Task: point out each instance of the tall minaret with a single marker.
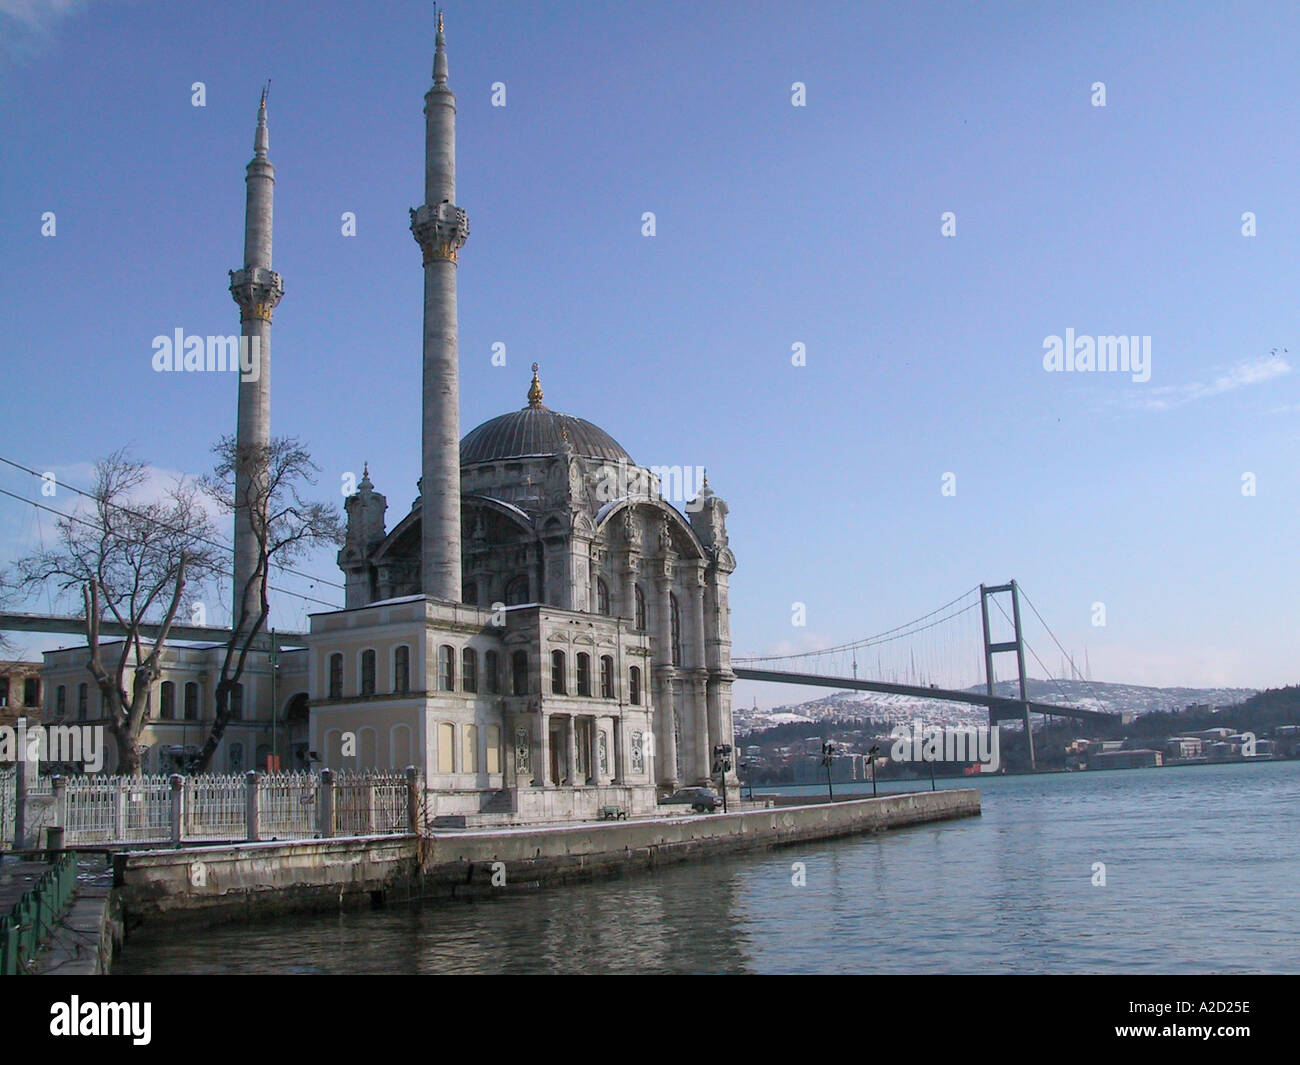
(440, 228)
(257, 289)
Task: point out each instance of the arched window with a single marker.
(367, 672)
(60, 700)
(191, 711)
(584, 673)
(82, 703)
(336, 676)
(606, 677)
(558, 687)
(640, 609)
(634, 686)
(402, 669)
(167, 701)
(32, 691)
(470, 594)
(517, 591)
(602, 597)
(469, 670)
(492, 673)
(446, 668)
(519, 673)
(675, 626)
(237, 703)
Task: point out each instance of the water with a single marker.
(1202, 875)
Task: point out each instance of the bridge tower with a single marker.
(1017, 645)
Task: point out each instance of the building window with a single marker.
(32, 691)
(336, 676)
(446, 668)
(469, 670)
(606, 677)
(675, 627)
(167, 701)
(602, 597)
(4, 691)
(640, 609)
(493, 749)
(519, 673)
(237, 703)
(517, 591)
(402, 670)
(634, 686)
(470, 594)
(584, 673)
(60, 701)
(446, 747)
(191, 701)
(492, 673)
(367, 672)
(81, 702)
(558, 686)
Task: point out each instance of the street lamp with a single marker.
(721, 767)
(828, 756)
(875, 750)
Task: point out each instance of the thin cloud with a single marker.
(1243, 375)
(28, 27)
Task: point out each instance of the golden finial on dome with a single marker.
(535, 391)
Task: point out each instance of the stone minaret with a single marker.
(257, 289)
(440, 228)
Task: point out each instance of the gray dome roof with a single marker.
(537, 431)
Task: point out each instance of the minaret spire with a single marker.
(257, 289)
(440, 228)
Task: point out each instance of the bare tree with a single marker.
(131, 561)
(285, 525)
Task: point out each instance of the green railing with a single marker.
(35, 916)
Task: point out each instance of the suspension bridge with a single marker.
(945, 655)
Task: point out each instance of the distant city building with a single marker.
(20, 691)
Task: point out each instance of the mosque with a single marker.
(539, 646)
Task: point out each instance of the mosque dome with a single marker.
(537, 430)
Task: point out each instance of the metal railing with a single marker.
(35, 916)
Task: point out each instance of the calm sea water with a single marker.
(1202, 875)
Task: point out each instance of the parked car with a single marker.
(701, 800)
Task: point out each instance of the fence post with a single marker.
(250, 804)
(412, 800)
(178, 807)
(60, 785)
(24, 779)
(325, 810)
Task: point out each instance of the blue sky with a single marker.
(776, 225)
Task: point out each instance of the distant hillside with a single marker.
(1091, 695)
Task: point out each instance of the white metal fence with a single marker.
(111, 809)
(288, 806)
(370, 804)
(213, 808)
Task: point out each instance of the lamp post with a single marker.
(875, 750)
(275, 699)
(828, 756)
(721, 767)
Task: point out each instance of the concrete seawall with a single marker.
(224, 883)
